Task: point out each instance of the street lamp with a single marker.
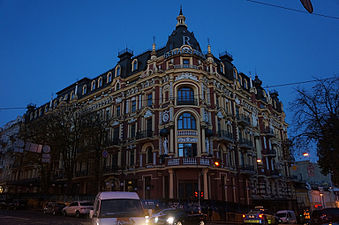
(306, 154)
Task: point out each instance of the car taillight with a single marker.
(261, 216)
(243, 215)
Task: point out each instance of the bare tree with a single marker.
(316, 121)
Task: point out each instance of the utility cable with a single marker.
(291, 9)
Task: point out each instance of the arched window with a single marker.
(84, 90)
(109, 77)
(100, 82)
(149, 155)
(135, 65)
(117, 86)
(117, 71)
(93, 85)
(185, 96)
(186, 121)
(72, 95)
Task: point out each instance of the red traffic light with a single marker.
(195, 194)
(202, 194)
(217, 163)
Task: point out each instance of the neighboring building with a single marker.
(313, 189)
(174, 111)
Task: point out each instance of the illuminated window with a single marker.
(186, 122)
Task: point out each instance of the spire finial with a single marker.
(208, 46)
(153, 47)
(181, 18)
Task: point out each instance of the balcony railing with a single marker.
(268, 131)
(245, 143)
(225, 134)
(186, 66)
(188, 161)
(144, 134)
(187, 101)
(187, 133)
(81, 173)
(269, 152)
(243, 119)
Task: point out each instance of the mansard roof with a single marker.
(181, 36)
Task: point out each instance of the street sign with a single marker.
(104, 154)
(307, 5)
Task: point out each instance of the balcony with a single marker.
(187, 101)
(225, 135)
(188, 161)
(81, 173)
(245, 143)
(185, 66)
(244, 120)
(269, 152)
(144, 134)
(110, 169)
(268, 132)
(187, 133)
(246, 169)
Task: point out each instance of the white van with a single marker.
(287, 216)
(121, 208)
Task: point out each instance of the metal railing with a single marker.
(243, 118)
(187, 101)
(245, 143)
(186, 66)
(187, 133)
(225, 134)
(144, 134)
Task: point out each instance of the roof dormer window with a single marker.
(109, 77)
(134, 65)
(84, 90)
(93, 85)
(100, 82)
(117, 70)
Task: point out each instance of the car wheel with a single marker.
(77, 214)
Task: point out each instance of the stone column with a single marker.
(171, 140)
(171, 191)
(204, 173)
(203, 140)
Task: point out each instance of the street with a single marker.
(25, 217)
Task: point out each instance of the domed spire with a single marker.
(181, 19)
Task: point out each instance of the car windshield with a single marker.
(280, 215)
(86, 203)
(121, 208)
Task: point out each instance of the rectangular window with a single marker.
(118, 110)
(131, 159)
(134, 106)
(133, 130)
(149, 124)
(149, 99)
(187, 150)
(186, 61)
(116, 133)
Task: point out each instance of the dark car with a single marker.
(16, 204)
(324, 216)
(54, 208)
(178, 217)
(260, 215)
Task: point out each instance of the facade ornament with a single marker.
(237, 101)
(165, 116)
(219, 115)
(187, 140)
(186, 76)
(148, 113)
(118, 100)
(165, 144)
(205, 114)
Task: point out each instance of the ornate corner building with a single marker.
(184, 122)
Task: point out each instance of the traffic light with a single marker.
(196, 194)
(201, 194)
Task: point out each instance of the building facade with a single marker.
(183, 125)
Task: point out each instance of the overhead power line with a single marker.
(301, 82)
(291, 9)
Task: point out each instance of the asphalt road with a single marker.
(26, 217)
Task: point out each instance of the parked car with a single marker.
(54, 208)
(118, 208)
(16, 204)
(178, 217)
(259, 215)
(78, 208)
(286, 216)
(324, 216)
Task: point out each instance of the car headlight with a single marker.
(156, 219)
(146, 219)
(170, 220)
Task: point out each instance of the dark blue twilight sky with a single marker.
(47, 45)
